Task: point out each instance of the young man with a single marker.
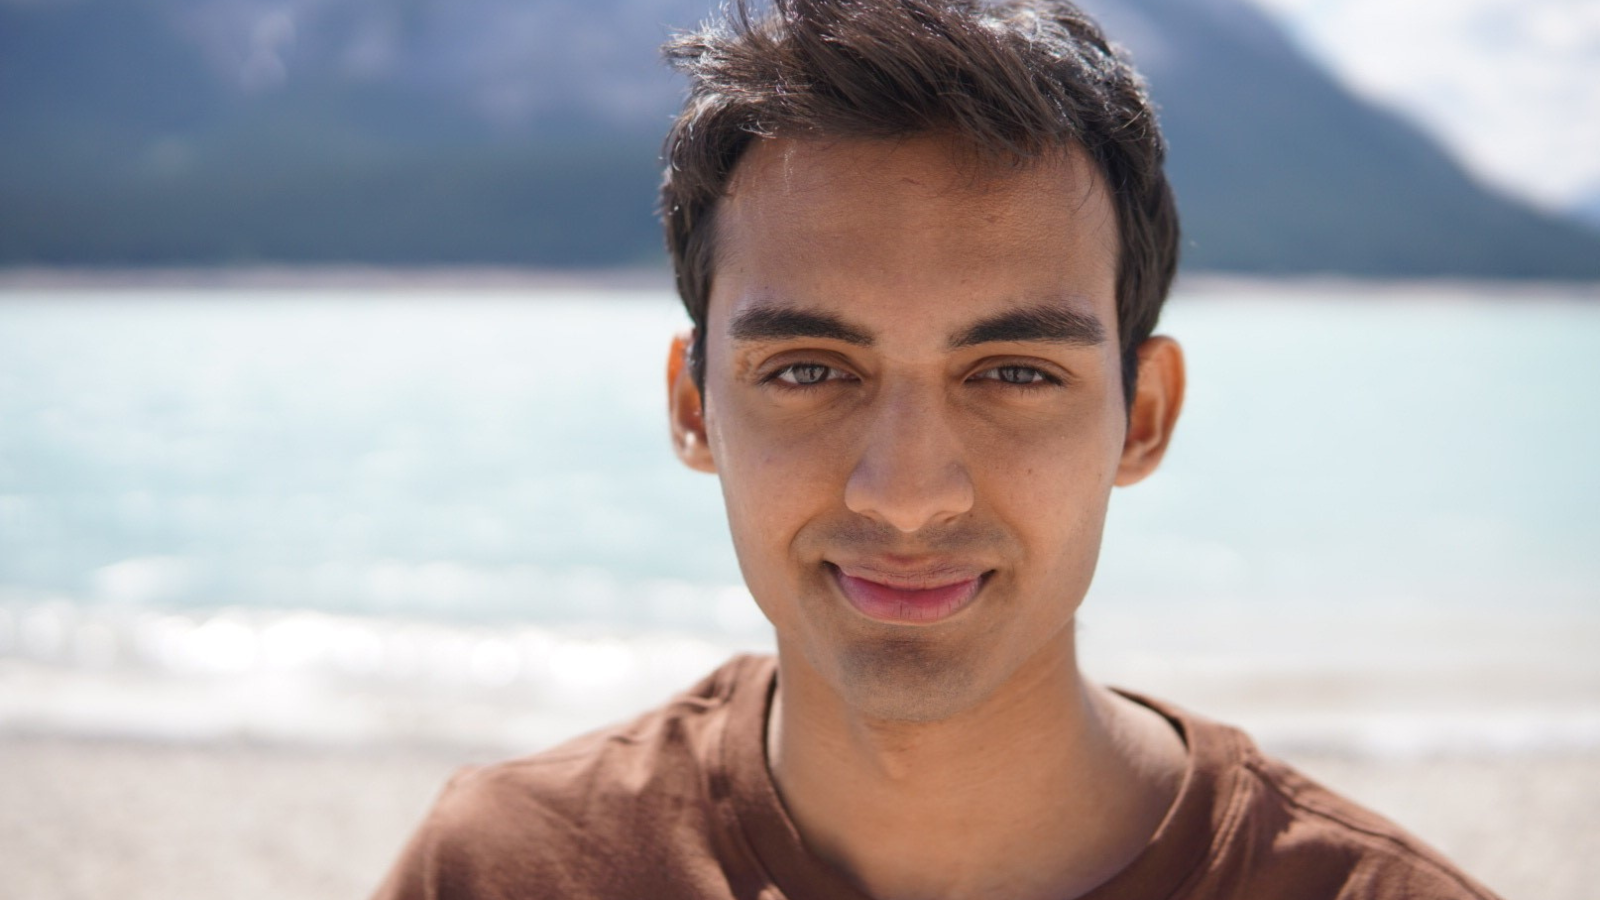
(924, 244)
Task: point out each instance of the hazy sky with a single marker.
(1513, 86)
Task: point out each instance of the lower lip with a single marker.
(904, 606)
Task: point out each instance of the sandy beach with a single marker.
(91, 819)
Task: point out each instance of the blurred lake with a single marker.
(425, 514)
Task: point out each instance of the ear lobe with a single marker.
(684, 409)
(1156, 403)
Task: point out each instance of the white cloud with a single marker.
(1513, 86)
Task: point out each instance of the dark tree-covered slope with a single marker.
(524, 132)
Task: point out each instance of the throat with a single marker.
(1034, 806)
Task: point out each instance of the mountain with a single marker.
(1280, 169)
(526, 132)
(188, 131)
(1587, 209)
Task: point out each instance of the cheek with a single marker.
(777, 474)
(1053, 497)
(1051, 484)
(1060, 452)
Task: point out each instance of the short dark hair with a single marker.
(1014, 80)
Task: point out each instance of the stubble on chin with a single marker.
(907, 679)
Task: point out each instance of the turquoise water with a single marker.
(453, 468)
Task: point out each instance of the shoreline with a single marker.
(396, 279)
(510, 278)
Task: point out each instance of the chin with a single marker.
(912, 678)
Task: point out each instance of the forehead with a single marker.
(912, 228)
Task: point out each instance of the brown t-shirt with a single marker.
(679, 804)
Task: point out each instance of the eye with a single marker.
(1018, 375)
(804, 374)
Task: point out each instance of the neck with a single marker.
(1046, 788)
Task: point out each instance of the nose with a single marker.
(910, 473)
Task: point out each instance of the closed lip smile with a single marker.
(908, 595)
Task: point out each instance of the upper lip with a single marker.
(918, 575)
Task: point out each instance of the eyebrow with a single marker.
(779, 323)
(1047, 324)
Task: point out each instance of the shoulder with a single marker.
(569, 821)
(1275, 833)
(594, 778)
(1370, 856)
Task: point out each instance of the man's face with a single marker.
(913, 401)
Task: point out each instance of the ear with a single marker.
(684, 409)
(1156, 403)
